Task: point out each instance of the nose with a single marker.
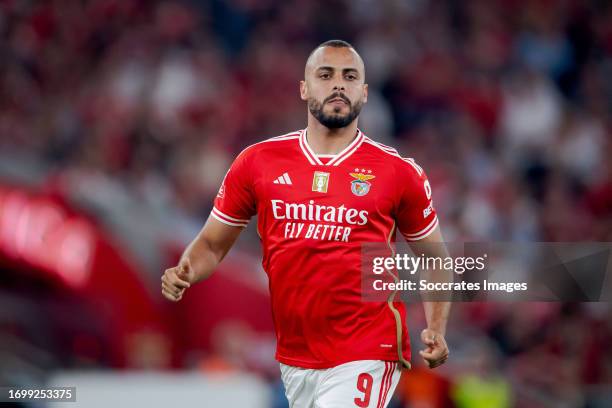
(338, 88)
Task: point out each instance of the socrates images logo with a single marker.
(361, 186)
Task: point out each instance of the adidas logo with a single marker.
(284, 179)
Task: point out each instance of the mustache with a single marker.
(337, 95)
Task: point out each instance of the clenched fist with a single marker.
(436, 352)
(176, 280)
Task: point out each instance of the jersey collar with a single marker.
(336, 159)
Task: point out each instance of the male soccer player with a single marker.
(319, 194)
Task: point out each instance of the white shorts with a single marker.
(363, 383)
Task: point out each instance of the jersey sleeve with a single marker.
(415, 217)
(235, 201)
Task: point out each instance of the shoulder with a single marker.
(270, 144)
(404, 166)
(265, 151)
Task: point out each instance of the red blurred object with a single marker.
(42, 237)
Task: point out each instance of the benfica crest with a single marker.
(361, 186)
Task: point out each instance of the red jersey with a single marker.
(314, 212)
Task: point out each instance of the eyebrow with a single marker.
(344, 70)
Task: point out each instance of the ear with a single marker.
(303, 91)
(365, 93)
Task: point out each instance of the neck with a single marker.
(323, 140)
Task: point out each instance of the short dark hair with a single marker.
(333, 44)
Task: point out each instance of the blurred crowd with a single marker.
(135, 110)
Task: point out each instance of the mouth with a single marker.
(338, 102)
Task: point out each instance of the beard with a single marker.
(334, 120)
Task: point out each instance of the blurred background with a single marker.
(119, 118)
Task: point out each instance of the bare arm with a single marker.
(436, 313)
(200, 259)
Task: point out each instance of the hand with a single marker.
(176, 280)
(436, 352)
